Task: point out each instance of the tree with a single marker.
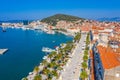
(38, 77)
(87, 39)
(86, 52)
(77, 37)
(53, 53)
(44, 62)
(84, 65)
(46, 71)
(52, 64)
(83, 75)
(50, 76)
(85, 58)
(50, 56)
(36, 69)
(54, 72)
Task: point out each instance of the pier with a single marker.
(2, 51)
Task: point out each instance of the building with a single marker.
(106, 63)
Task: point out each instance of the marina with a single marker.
(2, 51)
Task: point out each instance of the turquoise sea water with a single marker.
(24, 51)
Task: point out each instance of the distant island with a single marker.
(52, 20)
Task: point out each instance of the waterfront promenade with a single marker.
(72, 69)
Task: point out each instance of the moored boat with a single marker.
(46, 49)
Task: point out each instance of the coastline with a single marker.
(65, 33)
(41, 67)
(32, 74)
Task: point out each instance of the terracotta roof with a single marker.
(118, 50)
(85, 28)
(97, 28)
(95, 32)
(109, 58)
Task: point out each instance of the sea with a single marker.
(25, 50)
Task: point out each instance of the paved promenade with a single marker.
(72, 69)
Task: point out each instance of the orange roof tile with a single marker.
(108, 57)
(85, 28)
(95, 32)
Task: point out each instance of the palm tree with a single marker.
(54, 53)
(55, 73)
(83, 75)
(52, 64)
(77, 37)
(50, 76)
(36, 69)
(38, 77)
(46, 71)
(84, 65)
(44, 62)
(85, 58)
(86, 52)
(58, 57)
(50, 56)
(87, 39)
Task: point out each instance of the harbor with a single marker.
(2, 51)
(24, 46)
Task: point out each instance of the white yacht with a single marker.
(46, 49)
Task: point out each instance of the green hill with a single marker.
(52, 20)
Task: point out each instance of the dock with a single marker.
(2, 51)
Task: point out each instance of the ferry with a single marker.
(46, 49)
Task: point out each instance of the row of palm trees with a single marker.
(84, 73)
(77, 37)
(55, 61)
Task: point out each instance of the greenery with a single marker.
(38, 77)
(88, 39)
(44, 62)
(84, 65)
(85, 58)
(83, 75)
(77, 37)
(55, 73)
(52, 20)
(36, 69)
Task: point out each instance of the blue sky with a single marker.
(38, 9)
